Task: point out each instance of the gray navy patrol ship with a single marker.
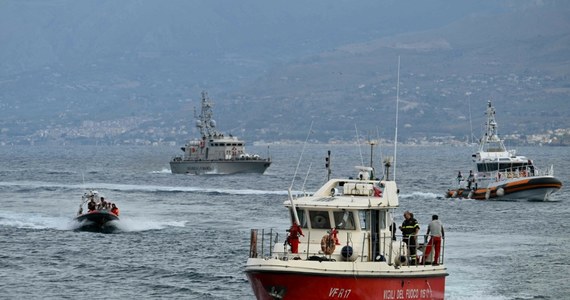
(215, 153)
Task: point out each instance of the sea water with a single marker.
(187, 237)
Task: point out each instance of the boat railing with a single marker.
(504, 174)
(521, 172)
(392, 249)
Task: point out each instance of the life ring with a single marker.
(201, 144)
(327, 244)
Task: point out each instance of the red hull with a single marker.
(270, 286)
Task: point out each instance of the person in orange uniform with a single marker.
(293, 239)
(115, 210)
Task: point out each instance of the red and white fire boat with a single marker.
(346, 248)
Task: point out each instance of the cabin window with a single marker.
(382, 219)
(364, 216)
(320, 219)
(344, 220)
(494, 166)
(302, 218)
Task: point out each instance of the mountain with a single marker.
(116, 71)
(518, 59)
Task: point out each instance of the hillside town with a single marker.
(143, 131)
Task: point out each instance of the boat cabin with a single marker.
(358, 213)
(215, 148)
(487, 162)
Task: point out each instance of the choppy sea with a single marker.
(187, 237)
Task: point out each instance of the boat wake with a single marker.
(42, 222)
(163, 171)
(144, 224)
(420, 195)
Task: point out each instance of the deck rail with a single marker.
(392, 250)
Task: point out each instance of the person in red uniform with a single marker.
(334, 234)
(293, 239)
(115, 210)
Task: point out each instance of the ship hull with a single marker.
(199, 167)
(283, 285)
(537, 188)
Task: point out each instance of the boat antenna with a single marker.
(468, 93)
(328, 165)
(372, 144)
(379, 147)
(289, 193)
(397, 109)
(359, 148)
(306, 177)
(301, 156)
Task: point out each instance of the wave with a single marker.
(35, 221)
(179, 189)
(144, 224)
(163, 171)
(421, 195)
(31, 186)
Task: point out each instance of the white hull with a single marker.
(535, 194)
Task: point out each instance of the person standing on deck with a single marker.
(410, 229)
(293, 239)
(436, 233)
(470, 179)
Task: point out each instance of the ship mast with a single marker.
(490, 139)
(204, 121)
